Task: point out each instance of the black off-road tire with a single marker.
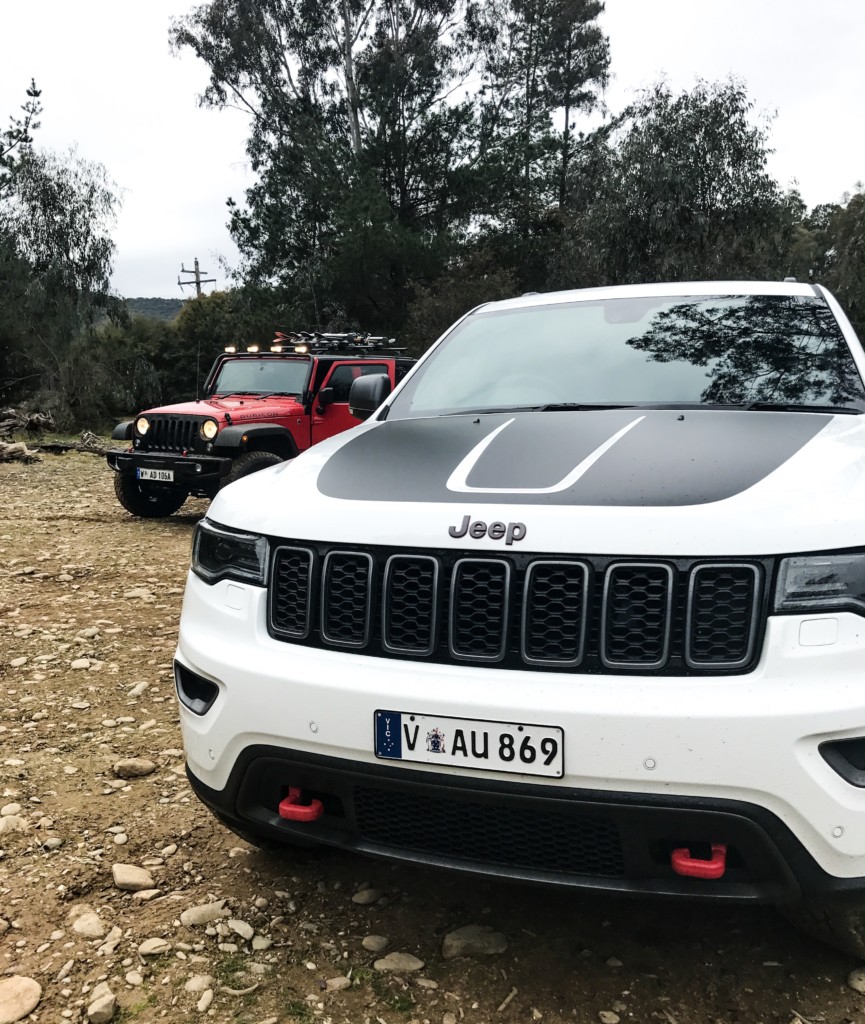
(249, 462)
(838, 921)
(150, 501)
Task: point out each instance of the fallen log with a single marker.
(89, 443)
(18, 451)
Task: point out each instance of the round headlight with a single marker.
(209, 429)
(142, 425)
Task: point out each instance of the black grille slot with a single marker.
(635, 630)
(479, 609)
(171, 433)
(409, 609)
(589, 614)
(558, 839)
(346, 599)
(291, 592)
(722, 617)
(555, 603)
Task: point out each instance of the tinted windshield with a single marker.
(634, 351)
(261, 376)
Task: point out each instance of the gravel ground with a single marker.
(106, 858)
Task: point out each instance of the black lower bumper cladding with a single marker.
(189, 470)
(528, 832)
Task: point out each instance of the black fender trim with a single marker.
(123, 431)
(232, 438)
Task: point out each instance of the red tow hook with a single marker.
(692, 867)
(293, 810)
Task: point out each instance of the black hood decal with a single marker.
(619, 457)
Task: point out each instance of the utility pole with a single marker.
(198, 280)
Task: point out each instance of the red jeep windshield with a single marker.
(264, 376)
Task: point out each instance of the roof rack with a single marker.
(319, 343)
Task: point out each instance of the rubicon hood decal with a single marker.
(604, 457)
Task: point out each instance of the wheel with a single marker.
(151, 501)
(250, 462)
(838, 921)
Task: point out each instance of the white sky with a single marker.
(110, 85)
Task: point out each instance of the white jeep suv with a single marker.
(581, 602)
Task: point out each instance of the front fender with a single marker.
(123, 431)
(257, 436)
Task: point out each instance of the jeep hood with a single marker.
(236, 406)
(623, 481)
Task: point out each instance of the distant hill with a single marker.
(158, 309)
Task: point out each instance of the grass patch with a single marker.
(299, 1012)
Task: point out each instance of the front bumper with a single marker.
(189, 470)
(730, 759)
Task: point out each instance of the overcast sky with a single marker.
(111, 87)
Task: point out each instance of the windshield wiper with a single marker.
(798, 407)
(583, 406)
(281, 394)
(231, 394)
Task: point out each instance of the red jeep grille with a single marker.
(171, 433)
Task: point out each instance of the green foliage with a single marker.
(676, 188)
(156, 308)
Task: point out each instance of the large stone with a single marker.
(398, 963)
(131, 878)
(473, 940)
(13, 823)
(89, 925)
(338, 984)
(856, 979)
(102, 1006)
(154, 947)
(198, 983)
(375, 943)
(205, 913)
(19, 996)
(241, 928)
(366, 897)
(133, 768)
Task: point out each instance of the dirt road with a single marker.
(89, 603)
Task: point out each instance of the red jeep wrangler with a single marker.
(259, 409)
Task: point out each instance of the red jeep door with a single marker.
(334, 417)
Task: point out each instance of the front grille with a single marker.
(558, 840)
(583, 614)
(171, 433)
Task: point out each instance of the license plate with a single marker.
(470, 743)
(165, 476)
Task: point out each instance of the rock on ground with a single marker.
(133, 768)
(205, 913)
(398, 963)
(473, 940)
(19, 996)
(131, 878)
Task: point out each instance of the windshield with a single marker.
(263, 376)
(740, 349)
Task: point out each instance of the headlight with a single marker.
(821, 583)
(142, 425)
(209, 429)
(221, 554)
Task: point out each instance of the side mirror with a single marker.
(367, 393)
(325, 397)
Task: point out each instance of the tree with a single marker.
(56, 258)
(676, 188)
(16, 139)
(343, 95)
